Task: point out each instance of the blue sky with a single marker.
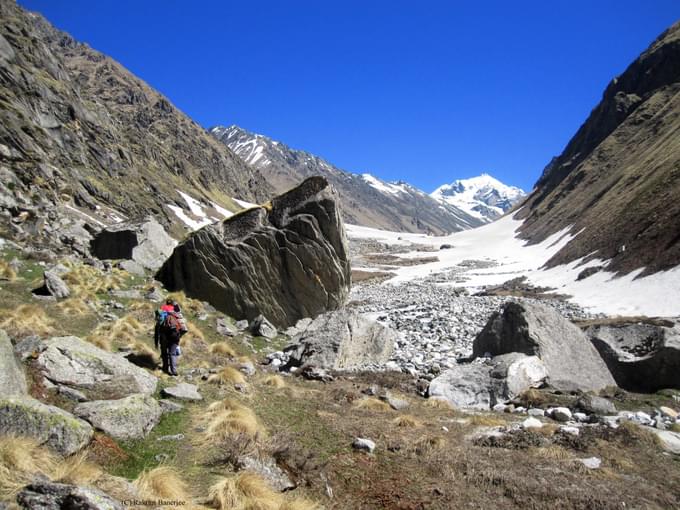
(424, 91)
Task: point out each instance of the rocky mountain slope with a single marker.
(617, 182)
(366, 200)
(483, 196)
(77, 129)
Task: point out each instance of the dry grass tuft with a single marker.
(553, 453)
(372, 404)
(89, 280)
(640, 435)
(300, 504)
(407, 421)
(27, 320)
(20, 460)
(161, 483)
(486, 420)
(426, 445)
(245, 491)
(223, 349)
(228, 375)
(7, 272)
(227, 419)
(74, 306)
(439, 403)
(187, 304)
(275, 381)
(533, 398)
(77, 470)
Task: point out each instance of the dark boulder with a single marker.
(286, 260)
(46, 495)
(641, 357)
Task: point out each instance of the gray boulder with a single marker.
(466, 385)
(146, 243)
(260, 326)
(183, 391)
(267, 468)
(571, 362)
(45, 495)
(53, 286)
(342, 340)
(73, 362)
(49, 425)
(131, 417)
(12, 378)
(515, 373)
(641, 357)
(285, 261)
(596, 405)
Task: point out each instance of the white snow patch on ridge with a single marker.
(602, 292)
(382, 186)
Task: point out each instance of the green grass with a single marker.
(142, 452)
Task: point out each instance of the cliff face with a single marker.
(618, 180)
(77, 128)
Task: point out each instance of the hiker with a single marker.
(170, 326)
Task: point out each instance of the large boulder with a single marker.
(12, 378)
(570, 360)
(641, 357)
(286, 260)
(73, 362)
(131, 417)
(53, 285)
(340, 340)
(45, 495)
(146, 243)
(49, 425)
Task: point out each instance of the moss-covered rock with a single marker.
(131, 417)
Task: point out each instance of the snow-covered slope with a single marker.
(365, 199)
(498, 245)
(483, 197)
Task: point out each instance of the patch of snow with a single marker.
(195, 206)
(382, 186)
(189, 222)
(224, 212)
(91, 218)
(244, 204)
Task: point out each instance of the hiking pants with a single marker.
(169, 344)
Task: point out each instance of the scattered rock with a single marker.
(668, 412)
(53, 286)
(642, 357)
(285, 261)
(670, 441)
(71, 394)
(49, 425)
(12, 378)
(363, 444)
(224, 328)
(537, 330)
(515, 373)
(560, 414)
(173, 437)
(145, 243)
(467, 385)
(247, 368)
(267, 469)
(342, 340)
(45, 495)
(183, 391)
(532, 423)
(154, 294)
(168, 406)
(78, 364)
(260, 326)
(574, 431)
(131, 417)
(591, 462)
(241, 325)
(314, 373)
(29, 347)
(536, 412)
(596, 405)
(394, 402)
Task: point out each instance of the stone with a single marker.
(241, 325)
(224, 328)
(12, 378)
(246, 368)
(515, 373)
(260, 326)
(146, 243)
(591, 462)
(183, 391)
(46, 495)
(286, 261)
(342, 340)
(313, 373)
(29, 347)
(668, 412)
(154, 294)
(48, 425)
(363, 444)
(669, 441)
(573, 431)
(467, 385)
(132, 417)
(561, 414)
(73, 362)
(53, 286)
(642, 357)
(532, 423)
(266, 467)
(173, 437)
(536, 412)
(581, 417)
(395, 403)
(499, 408)
(570, 360)
(132, 267)
(71, 394)
(596, 405)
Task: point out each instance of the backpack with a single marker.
(170, 322)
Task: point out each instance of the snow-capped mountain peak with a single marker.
(483, 197)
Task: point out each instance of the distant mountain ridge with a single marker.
(366, 200)
(483, 196)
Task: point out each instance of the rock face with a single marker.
(131, 417)
(570, 360)
(58, 496)
(342, 339)
(641, 357)
(49, 425)
(12, 378)
(285, 261)
(146, 243)
(100, 374)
